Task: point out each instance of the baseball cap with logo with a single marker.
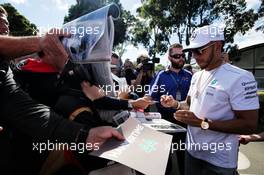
(204, 35)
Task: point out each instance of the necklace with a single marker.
(200, 88)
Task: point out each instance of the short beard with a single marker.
(176, 66)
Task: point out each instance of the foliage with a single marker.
(159, 67)
(161, 19)
(18, 24)
(85, 6)
(261, 15)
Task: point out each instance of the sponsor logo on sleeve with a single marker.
(250, 89)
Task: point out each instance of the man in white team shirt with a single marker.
(222, 103)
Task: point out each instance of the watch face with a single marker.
(204, 125)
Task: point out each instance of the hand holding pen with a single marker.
(168, 101)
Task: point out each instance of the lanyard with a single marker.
(178, 92)
(175, 81)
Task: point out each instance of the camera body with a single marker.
(148, 64)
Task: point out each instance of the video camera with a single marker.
(148, 64)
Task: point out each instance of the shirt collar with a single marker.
(168, 70)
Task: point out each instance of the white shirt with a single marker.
(221, 91)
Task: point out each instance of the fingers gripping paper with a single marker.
(92, 36)
(144, 149)
(91, 41)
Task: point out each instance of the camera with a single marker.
(148, 64)
(121, 117)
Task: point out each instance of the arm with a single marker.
(50, 45)
(12, 47)
(101, 101)
(244, 102)
(21, 112)
(170, 102)
(245, 139)
(245, 123)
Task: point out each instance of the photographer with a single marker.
(145, 71)
(116, 64)
(129, 73)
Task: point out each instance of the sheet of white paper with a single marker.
(144, 149)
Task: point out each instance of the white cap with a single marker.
(204, 35)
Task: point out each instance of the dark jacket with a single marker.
(20, 114)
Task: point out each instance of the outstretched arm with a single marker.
(13, 47)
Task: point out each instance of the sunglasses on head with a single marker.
(199, 51)
(178, 56)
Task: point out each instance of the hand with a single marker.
(100, 135)
(187, 117)
(244, 139)
(141, 103)
(123, 93)
(168, 101)
(92, 92)
(140, 65)
(53, 50)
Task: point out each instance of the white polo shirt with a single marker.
(222, 90)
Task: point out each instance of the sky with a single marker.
(50, 13)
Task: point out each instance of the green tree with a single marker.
(18, 24)
(150, 29)
(85, 6)
(130, 21)
(261, 9)
(160, 19)
(236, 17)
(261, 15)
(159, 67)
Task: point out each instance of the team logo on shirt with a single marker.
(213, 82)
(248, 83)
(149, 145)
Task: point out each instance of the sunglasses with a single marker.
(178, 56)
(199, 51)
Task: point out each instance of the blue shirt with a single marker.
(175, 84)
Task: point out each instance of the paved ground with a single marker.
(251, 159)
